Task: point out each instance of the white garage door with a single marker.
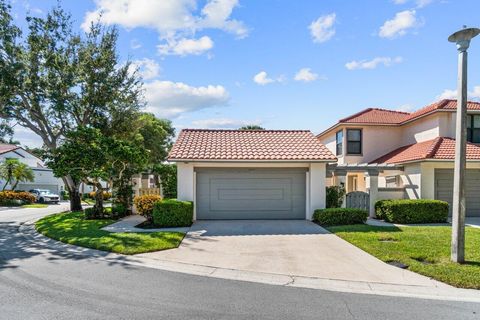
(250, 193)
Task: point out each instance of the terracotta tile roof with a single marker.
(264, 145)
(441, 148)
(390, 117)
(375, 115)
(4, 148)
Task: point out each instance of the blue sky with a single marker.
(282, 64)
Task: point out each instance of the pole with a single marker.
(458, 208)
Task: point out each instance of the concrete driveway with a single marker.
(289, 247)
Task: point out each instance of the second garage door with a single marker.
(250, 193)
(444, 189)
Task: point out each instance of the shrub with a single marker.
(414, 211)
(15, 198)
(380, 209)
(173, 213)
(65, 195)
(106, 195)
(119, 209)
(339, 216)
(168, 179)
(144, 204)
(335, 196)
(89, 213)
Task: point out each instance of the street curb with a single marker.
(446, 293)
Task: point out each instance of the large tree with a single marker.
(89, 156)
(53, 80)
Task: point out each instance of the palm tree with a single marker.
(22, 173)
(6, 170)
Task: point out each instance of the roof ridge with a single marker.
(238, 130)
(434, 147)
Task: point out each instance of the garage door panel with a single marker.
(444, 189)
(251, 194)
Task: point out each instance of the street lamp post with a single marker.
(462, 39)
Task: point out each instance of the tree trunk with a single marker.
(98, 207)
(75, 197)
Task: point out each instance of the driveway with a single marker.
(289, 247)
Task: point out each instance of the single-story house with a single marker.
(252, 174)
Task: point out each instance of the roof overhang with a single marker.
(252, 161)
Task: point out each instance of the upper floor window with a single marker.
(354, 141)
(473, 128)
(339, 136)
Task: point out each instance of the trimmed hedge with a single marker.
(16, 198)
(145, 203)
(173, 213)
(408, 211)
(339, 216)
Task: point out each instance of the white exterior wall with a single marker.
(411, 179)
(316, 179)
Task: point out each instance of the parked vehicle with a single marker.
(43, 196)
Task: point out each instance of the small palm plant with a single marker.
(22, 173)
(13, 171)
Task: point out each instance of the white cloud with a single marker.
(174, 20)
(322, 29)
(170, 99)
(26, 137)
(185, 47)
(399, 25)
(452, 94)
(262, 78)
(305, 75)
(147, 68)
(223, 123)
(405, 108)
(418, 3)
(135, 44)
(372, 64)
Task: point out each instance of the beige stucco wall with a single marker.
(419, 178)
(315, 180)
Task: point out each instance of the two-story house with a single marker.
(44, 178)
(421, 144)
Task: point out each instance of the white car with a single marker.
(43, 196)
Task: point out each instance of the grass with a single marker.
(426, 250)
(71, 228)
(35, 205)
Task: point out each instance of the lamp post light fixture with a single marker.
(462, 39)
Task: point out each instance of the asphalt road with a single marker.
(41, 284)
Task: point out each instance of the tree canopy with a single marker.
(54, 80)
(251, 127)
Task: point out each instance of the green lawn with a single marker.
(35, 205)
(73, 229)
(426, 250)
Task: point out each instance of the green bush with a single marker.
(339, 216)
(168, 179)
(173, 213)
(334, 195)
(65, 195)
(119, 209)
(414, 211)
(380, 208)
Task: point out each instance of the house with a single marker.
(419, 147)
(257, 174)
(44, 178)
